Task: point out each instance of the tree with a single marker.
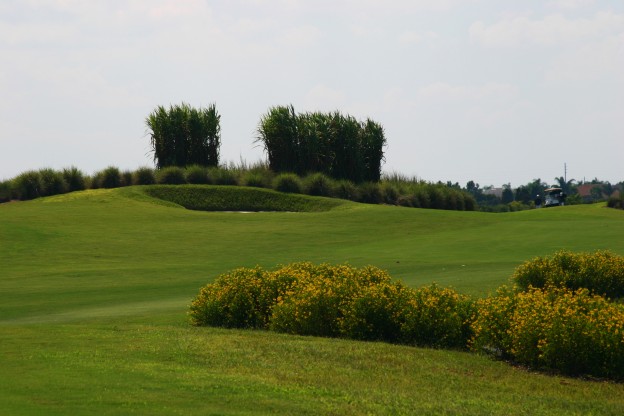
(568, 187)
(183, 136)
(507, 196)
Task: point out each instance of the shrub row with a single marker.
(45, 182)
(571, 331)
(335, 301)
(616, 201)
(602, 272)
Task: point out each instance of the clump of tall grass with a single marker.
(197, 175)
(107, 178)
(288, 182)
(6, 191)
(75, 179)
(223, 176)
(171, 175)
(318, 184)
(28, 185)
(182, 135)
(52, 182)
(334, 144)
(143, 176)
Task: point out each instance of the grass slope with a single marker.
(94, 288)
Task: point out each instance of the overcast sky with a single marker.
(487, 90)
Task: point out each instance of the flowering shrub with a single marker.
(437, 317)
(601, 272)
(376, 312)
(332, 301)
(573, 332)
(318, 302)
(243, 298)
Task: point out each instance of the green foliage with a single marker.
(197, 175)
(28, 185)
(171, 175)
(616, 201)
(126, 178)
(144, 176)
(288, 182)
(331, 301)
(107, 178)
(227, 198)
(437, 317)
(573, 332)
(183, 135)
(52, 182)
(602, 272)
(377, 312)
(346, 190)
(370, 193)
(336, 145)
(75, 179)
(6, 191)
(318, 184)
(255, 179)
(222, 176)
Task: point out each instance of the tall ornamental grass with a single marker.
(334, 144)
(182, 135)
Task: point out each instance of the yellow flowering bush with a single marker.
(437, 317)
(602, 272)
(317, 303)
(376, 312)
(242, 298)
(571, 331)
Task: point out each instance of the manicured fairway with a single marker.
(94, 288)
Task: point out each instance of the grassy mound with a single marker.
(227, 198)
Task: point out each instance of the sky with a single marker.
(492, 91)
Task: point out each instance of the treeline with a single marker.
(394, 190)
(523, 197)
(334, 144)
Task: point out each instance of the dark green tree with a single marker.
(507, 196)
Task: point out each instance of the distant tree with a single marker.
(567, 186)
(508, 195)
(596, 193)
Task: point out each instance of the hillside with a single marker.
(95, 285)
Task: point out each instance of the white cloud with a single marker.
(446, 92)
(552, 30)
(591, 61)
(324, 98)
(301, 36)
(570, 4)
(411, 37)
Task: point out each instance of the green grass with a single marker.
(94, 289)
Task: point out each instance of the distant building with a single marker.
(498, 192)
